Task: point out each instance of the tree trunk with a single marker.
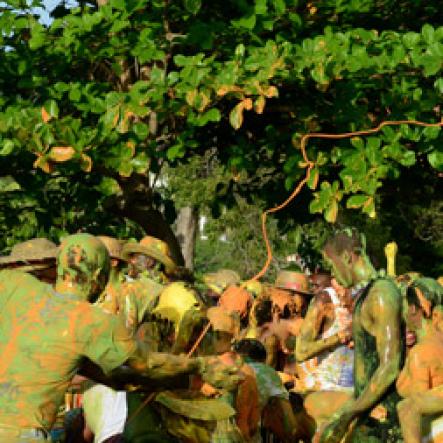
(186, 233)
(154, 224)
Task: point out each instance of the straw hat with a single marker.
(293, 281)
(113, 246)
(37, 249)
(218, 281)
(152, 247)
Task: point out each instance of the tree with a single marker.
(96, 103)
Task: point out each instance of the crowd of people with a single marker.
(105, 340)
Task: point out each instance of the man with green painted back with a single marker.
(45, 335)
(378, 334)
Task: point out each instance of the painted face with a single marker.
(140, 263)
(414, 318)
(341, 267)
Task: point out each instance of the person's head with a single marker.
(345, 251)
(36, 256)
(225, 327)
(319, 282)
(83, 266)
(148, 255)
(296, 285)
(422, 297)
(250, 348)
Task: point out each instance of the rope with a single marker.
(310, 165)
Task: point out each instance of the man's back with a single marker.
(43, 335)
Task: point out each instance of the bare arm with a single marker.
(308, 345)
(383, 313)
(385, 310)
(157, 365)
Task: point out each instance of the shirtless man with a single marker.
(378, 340)
(421, 381)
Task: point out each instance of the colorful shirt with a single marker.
(43, 336)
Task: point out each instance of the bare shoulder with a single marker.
(384, 291)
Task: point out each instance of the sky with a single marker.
(49, 6)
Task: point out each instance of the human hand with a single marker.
(345, 335)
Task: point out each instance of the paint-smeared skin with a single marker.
(421, 380)
(43, 336)
(378, 344)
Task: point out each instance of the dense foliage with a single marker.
(94, 104)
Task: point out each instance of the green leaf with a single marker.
(408, 158)
(411, 39)
(313, 179)
(331, 212)
(280, 6)
(431, 64)
(357, 142)
(193, 6)
(431, 133)
(38, 37)
(141, 130)
(435, 159)
(428, 33)
(247, 22)
(175, 151)
(7, 147)
(51, 108)
(213, 115)
(236, 116)
(356, 201)
(8, 184)
(261, 7)
(438, 84)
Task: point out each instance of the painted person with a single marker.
(45, 334)
(149, 258)
(289, 297)
(201, 422)
(109, 299)
(225, 326)
(275, 408)
(106, 409)
(421, 380)
(132, 300)
(326, 362)
(36, 256)
(378, 342)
